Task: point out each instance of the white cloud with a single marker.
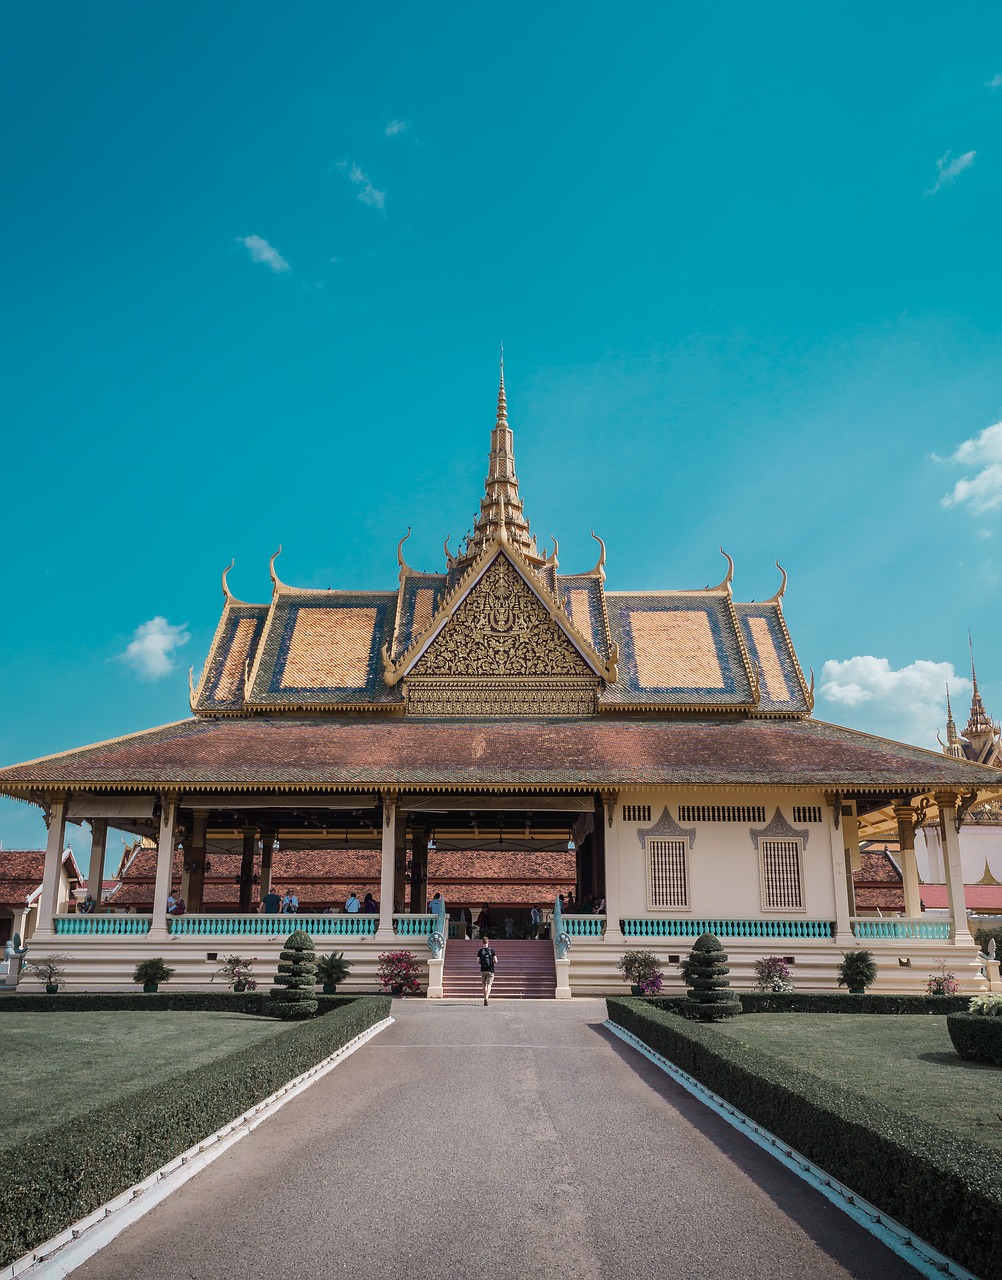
(949, 169)
(396, 127)
(261, 251)
(995, 82)
(368, 193)
(984, 491)
(150, 652)
(908, 705)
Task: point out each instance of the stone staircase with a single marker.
(525, 971)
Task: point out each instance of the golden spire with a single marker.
(980, 728)
(953, 746)
(501, 506)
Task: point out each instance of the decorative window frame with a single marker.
(667, 829)
(669, 847)
(795, 846)
(780, 830)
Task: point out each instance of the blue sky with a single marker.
(745, 263)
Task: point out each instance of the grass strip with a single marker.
(59, 1177)
(222, 1001)
(945, 1188)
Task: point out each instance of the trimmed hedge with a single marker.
(226, 1001)
(975, 1037)
(74, 1168)
(945, 1188)
(828, 1002)
(843, 1002)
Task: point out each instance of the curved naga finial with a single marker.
(226, 589)
(271, 569)
(551, 559)
(600, 564)
(191, 686)
(450, 559)
(810, 692)
(728, 576)
(782, 587)
(404, 566)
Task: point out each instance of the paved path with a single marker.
(520, 1140)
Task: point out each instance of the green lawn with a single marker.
(55, 1066)
(905, 1060)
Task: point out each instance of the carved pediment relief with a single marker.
(501, 629)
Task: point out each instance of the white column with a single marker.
(613, 928)
(841, 855)
(960, 932)
(98, 844)
(909, 867)
(165, 856)
(48, 903)
(387, 872)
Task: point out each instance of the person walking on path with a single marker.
(488, 958)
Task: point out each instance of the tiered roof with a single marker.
(647, 651)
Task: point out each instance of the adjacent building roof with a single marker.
(21, 872)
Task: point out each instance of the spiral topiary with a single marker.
(705, 971)
(296, 980)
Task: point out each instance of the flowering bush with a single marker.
(235, 969)
(399, 969)
(643, 970)
(942, 982)
(989, 1003)
(772, 973)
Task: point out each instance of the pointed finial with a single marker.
(974, 674)
(502, 401)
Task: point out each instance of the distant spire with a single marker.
(980, 730)
(953, 747)
(501, 503)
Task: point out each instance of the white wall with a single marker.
(724, 877)
(978, 845)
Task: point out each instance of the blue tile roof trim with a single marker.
(797, 703)
(268, 690)
(407, 633)
(593, 627)
(736, 690)
(234, 615)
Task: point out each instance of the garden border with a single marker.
(916, 1252)
(74, 1170)
(953, 1191)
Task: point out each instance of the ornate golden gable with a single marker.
(501, 653)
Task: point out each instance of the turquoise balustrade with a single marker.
(223, 926)
(584, 926)
(102, 925)
(883, 928)
(644, 927)
(413, 926)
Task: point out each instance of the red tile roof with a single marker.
(979, 897)
(21, 873)
(291, 752)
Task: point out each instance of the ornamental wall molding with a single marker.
(666, 828)
(778, 829)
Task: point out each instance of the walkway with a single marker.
(519, 1140)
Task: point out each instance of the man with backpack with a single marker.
(488, 958)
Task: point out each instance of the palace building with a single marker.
(664, 738)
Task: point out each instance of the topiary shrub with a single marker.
(296, 980)
(705, 971)
(975, 1037)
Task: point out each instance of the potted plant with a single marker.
(942, 982)
(642, 970)
(398, 972)
(237, 971)
(49, 970)
(151, 973)
(857, 970)
(331, 970)
(772, 973)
